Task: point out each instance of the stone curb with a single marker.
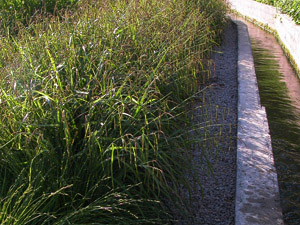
(257, 193)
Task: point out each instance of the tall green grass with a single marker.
(93, 109)
(290, 7)
(15, 12)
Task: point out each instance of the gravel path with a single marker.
(218, 118)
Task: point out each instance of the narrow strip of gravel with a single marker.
(214, 202)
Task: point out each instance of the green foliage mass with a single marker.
(94, 126)
(30, 6)
(13, 12)
(290, 7)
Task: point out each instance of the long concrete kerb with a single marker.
(257, 193)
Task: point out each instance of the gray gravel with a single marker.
(213, 201)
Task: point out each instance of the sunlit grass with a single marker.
(93, 109)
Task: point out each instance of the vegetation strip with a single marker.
(94, 126)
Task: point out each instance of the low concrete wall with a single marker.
(286, 29)
(257, 194)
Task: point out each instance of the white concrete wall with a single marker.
(287, 30)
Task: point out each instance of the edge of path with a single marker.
(257, 194)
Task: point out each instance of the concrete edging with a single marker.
(257, 193)
(286, 30)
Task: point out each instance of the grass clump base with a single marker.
(93, 101)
